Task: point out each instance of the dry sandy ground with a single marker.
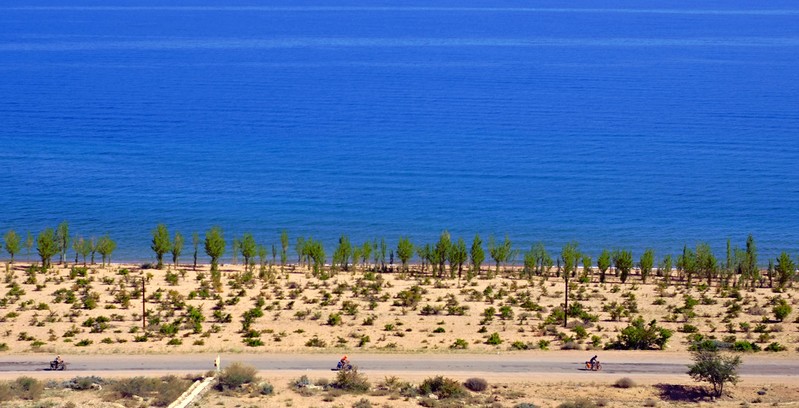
(297, 306)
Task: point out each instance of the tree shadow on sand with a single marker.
(682, 393)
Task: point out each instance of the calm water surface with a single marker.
(612, 125)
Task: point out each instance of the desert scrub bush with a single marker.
(494, 339)
(579, 403)
(459, 344)
(160, 391)
(775, 347)
(351, 380)
(6, 393)
(442, 387)
(625, 382)
(781, 310)
(525, 405)
(235, 376)
(83, 383)
(362, 403)
(27, 388)
(334, 319)
(476, 384)
(315, 341)
(266, 388)
(745, 346)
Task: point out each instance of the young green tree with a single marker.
(623, 261)
(84, 247)
(424, 252)
(47, 246)
(366, 253)
(646, 263)
(687, 263)
(29, 244)
(236, 248)
(715, 368)
(383, 253)
(214, 246)
(665, 266)
(476, 255)
(457, 256)
(341, 256)
(603, 263)
(284, 248)
(92, 248)
(441, 251)
(316, 252)
(587, 267)
(248, 249)
(750, 267)
(299, 247)
(706, 262)
(262, 260)
(404, 252)
(786, 269)
(76, 247)
(12, 243)
(570, 255)
(160, 244)
(177, 248)
(499, 252)
(62, 239)
(195, 242)
(106, 247)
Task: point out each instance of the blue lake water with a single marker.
(601, 122)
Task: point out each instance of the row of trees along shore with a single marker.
(446, 258)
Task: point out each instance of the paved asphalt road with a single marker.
(501, 364)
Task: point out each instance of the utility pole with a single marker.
(143, 308)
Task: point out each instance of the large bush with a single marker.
(351, 380)
(641, 336)
(442, 387)
(236, 375)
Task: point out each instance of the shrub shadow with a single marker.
(683, 393)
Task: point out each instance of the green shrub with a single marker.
(362, 403)
(84, 343)
(442, 387)
(236, 375)
(315, 341)
(781, 310)
(439, 330)
(745, 346)
(459, 344)
(334, 319)
(476, 384)
(28, 388)
(580, 403)
(494, 339)
(351, 380)
(775, 347)
(266, 388)
(641, 336)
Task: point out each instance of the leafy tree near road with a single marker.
(458, 256)
(249, 250)
(646, 263)
(160, 244)
(12, 243)
(405, 251)
(499, 252)
(641, 336)
(341, 256)
(623, 261)
(62, 239)
(706, 262)
(366, 253)
(476, 254)
(750, 262)
(785, 268)
(284, 248)
(715, 368)
(106, 246)
(440, 252)
(47, 246)
(214, 246)
(687, 264)
(177, 248)
(603, 263)
(665, 266)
